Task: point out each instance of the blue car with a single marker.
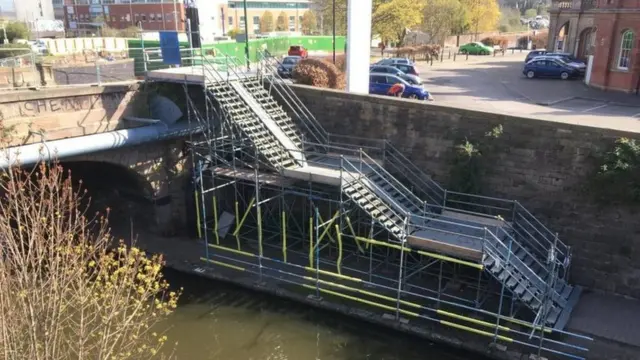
(553, 68)
(379, 84)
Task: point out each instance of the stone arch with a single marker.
(561, 36)
(127, 193)
(586, 42)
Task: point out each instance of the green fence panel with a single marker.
(277, 46)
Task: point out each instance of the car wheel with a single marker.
(531, 74)
(413, 96)
(564, 75)
(463, 52)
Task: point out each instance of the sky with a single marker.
(7, 5)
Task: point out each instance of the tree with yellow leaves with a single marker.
(390, 20)
(481, 15)
(281, 22)
(308, 24)
(65, 291)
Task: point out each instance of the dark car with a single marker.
(380, 84)
(553, 68)
(406, 68)
(287, 64)
(533, 53)
(411, 79)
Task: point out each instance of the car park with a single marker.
(550, 68)
(411, 79)
(476, 48)
(380, 83)
(286, 66)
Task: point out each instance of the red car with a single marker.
(298, 50)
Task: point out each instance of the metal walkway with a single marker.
(500, 237)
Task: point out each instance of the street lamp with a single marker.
(334, 32)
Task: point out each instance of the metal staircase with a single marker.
(240, 114)
(519, 251)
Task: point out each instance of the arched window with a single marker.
(626, 45)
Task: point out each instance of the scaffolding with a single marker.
(352, 220)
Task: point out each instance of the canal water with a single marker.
(224, 322)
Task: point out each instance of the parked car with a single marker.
(553, 68)
(569, 59)
(383, 69)
(286, 66)
(533, 54)
(476, 48)
(409, 69)
(379, 84)
(582, 67)
(393, 61)
(298, 50)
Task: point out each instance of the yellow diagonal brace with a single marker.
(326, 230)
(353, 233)
(244, 217)
(215, 220)
(339, 261)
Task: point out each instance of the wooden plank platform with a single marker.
(425, 240)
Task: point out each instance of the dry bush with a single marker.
(65, 291)
(419, 52)
(501, 41)
(341, 61)
(319, 73)
(539, 41)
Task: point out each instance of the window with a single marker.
(159, 17)
(626, 45)
(230, 20)
(144, 17)
(152, 17)
(241, 21)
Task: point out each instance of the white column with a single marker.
(358, 45)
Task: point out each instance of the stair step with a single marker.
(553, 315)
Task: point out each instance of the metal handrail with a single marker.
(372, 186)
(553, 236)
(387, 177)
(322, 134)
(493, 250)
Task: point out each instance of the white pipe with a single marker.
(80, 145)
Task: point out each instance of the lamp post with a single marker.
(246, 33)
(334, 32)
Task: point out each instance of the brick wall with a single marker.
(544, 165)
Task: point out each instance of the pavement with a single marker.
(497, 84)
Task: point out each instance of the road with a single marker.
(496, 84)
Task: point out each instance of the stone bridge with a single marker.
(151, 175)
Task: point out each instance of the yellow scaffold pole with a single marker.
(353, 233)
(339, 261)
(215, 219)
(244, 217)
(198, 215)
(311, 242)
(284, 237)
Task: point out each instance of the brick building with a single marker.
(217, 17)
(607, 29)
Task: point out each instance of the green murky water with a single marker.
(223, 322)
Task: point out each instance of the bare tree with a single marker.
(67, 289)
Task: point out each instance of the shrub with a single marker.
(16, 50)
(501, 41)
(319, 73)
(539, 41)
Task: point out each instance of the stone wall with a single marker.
(545, 165)
(51, 114)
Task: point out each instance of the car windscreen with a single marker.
(295, 48)
(290, 61)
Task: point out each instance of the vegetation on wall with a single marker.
(471, 162)
(618, 177)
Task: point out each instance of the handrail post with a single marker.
(360, 153)
(444, 200)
